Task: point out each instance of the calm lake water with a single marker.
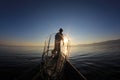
(94, 62)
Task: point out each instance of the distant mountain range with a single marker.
(109, 42)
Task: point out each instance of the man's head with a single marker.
(61, 30)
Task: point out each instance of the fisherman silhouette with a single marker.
(58, 39)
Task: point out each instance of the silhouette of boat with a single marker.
(54, 67)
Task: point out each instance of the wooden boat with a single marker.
(69, 73)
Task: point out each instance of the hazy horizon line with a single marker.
(38, 44)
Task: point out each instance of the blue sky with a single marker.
(85, 21)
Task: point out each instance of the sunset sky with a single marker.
(85, 21)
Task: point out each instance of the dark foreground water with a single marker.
(94, 62)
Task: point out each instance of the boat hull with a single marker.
(71, 73)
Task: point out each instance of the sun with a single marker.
(65, 47)
(65, 40)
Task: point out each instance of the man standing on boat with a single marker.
(58, 39)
